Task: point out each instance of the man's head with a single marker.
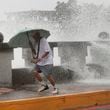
(36, 36)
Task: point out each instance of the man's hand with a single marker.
(34, 56)
(36, 60)
(39, 59)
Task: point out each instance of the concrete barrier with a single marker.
(6, 55)
(59, 102)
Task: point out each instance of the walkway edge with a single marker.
(59, 102)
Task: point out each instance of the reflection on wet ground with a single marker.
(30, 91)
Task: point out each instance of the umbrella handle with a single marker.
(31, 46)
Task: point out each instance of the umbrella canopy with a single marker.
(22, 38)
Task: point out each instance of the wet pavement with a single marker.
(30, 91)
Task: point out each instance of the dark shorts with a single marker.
(46, 69)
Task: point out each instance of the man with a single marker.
(43, 62)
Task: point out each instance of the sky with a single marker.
(97, 2)
(20, 5)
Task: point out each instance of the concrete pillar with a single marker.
(6, 56)
(56, 58)
(27, 55)
(18, 61)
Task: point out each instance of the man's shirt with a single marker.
(44, 47)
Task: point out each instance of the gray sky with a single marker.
(19, 5)
(98, 2)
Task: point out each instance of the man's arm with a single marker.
(46, 52)
(39, 59)
(43, 56)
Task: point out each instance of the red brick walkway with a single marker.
(5, 90)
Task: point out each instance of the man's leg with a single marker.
(37, 75)
(47, 70)
(52, 81)
(37, 72)
(44, 86)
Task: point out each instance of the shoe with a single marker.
(55, 91)
(43, 88)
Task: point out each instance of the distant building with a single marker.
(32, 15)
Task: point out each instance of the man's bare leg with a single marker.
(44, 86)
(52, 81)
(37, 75)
